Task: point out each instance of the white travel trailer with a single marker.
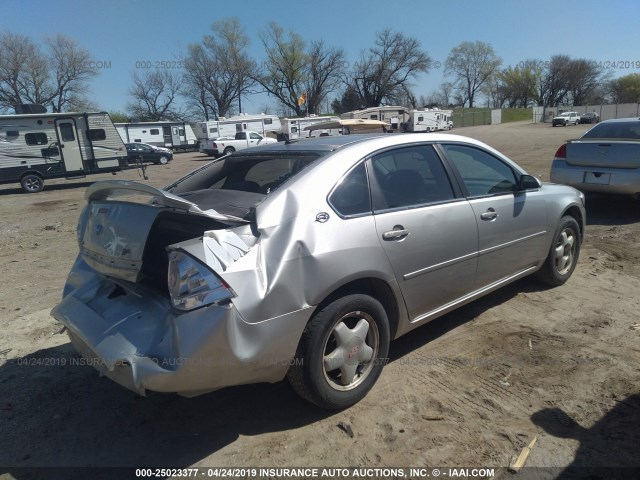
(395, 115)
(228, 127)
(35, 147)
(173, 135)
(298, 127)
(429, 120)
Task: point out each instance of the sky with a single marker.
(126, 36)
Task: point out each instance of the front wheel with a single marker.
(163, 160)
(564, 253)
(342, 352)
(32, 183)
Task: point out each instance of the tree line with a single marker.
(301, 75)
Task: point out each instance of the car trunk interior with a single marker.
(170, 228)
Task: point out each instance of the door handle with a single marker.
(395, 234)
(490, 214)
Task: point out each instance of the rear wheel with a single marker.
(228, 150)
(32, 183)
(341, 352)
(564, 253)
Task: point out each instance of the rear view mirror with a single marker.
(528, 182)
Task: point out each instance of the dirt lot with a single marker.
(467, 390)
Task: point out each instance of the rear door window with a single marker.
(409, 177)
(481, 172)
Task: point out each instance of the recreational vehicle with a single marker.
(429, 120)
(228, 127)
(297, 127)
(395, 115)
(173, 135)
(36, 147)
(349, 126)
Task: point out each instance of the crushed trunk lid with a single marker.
(113, 230)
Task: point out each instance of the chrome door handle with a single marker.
(394, 234)
(490, 214)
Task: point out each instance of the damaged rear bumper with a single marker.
(131, 334)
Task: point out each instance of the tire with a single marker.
(32, 183)
(563, 255)
(325, 371)
(228, 150)
(163, 160)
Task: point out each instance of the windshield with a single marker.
(626, 130)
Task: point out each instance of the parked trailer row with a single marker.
(172, 135)
(406, 120)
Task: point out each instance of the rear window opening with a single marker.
(245, 173)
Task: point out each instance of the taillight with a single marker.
(215, 145)
(192, 284)
(562, 152)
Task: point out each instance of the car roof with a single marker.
(332, 143)
(316, 144)
(621, 120)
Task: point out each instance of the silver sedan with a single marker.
(304, 259)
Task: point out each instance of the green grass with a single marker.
(468, 117)
(516, 114)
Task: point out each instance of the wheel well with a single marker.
(32, 172)
(577, 214)
(374, 287)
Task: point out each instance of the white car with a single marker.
(565, 118)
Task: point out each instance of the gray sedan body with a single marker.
(304, 260)
(606, 159)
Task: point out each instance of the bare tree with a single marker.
(57, 77)
(553, 84)
(298, 77)
(384, 72)
(471, 64)
(155, 96)
(584, 77)
(24, 71)
(199, 70)
(493, 92)
(323, 73)
(218, 70)
(72, 67)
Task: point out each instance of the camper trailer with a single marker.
(395, 115)
(297, 127)
(228, 127)
(349, 126)
(208, 132)
(173, 135)
(36, 147)
(428, 120)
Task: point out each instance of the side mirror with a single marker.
(528, 182)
